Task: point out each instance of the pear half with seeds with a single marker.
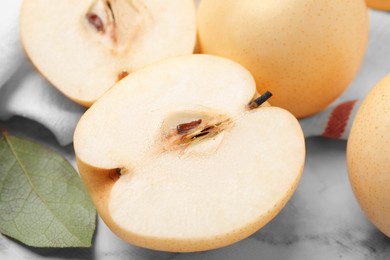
(177, 158)
(84, 47)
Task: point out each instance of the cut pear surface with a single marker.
(175, 160)
(84, 47)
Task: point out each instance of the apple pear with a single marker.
(180, 157)
(368, 152)
(84, 47)
(379, 4)
(305, 52)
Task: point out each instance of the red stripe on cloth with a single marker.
(338, 120)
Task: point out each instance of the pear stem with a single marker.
(260, 100)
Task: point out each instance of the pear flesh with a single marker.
(175, 160)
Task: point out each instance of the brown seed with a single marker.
(207, 129)
(122, 74)
(96, 22)
(184, 128)
(115, 174)
(200, 135)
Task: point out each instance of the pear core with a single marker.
(198, 169)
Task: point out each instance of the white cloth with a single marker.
(29, 95)
(24, 92)
(11, 54)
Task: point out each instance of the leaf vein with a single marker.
(33, 188)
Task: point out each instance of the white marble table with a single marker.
(321, 221)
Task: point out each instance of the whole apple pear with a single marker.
(368, 152)
(379, 4)
(305, 52)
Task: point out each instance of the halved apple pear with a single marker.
(177, 158)
(84, 47)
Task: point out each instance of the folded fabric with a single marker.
(11, 54)
(24, 92)
(29, 95)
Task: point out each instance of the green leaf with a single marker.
(43, 202)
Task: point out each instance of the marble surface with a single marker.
(321, 221)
